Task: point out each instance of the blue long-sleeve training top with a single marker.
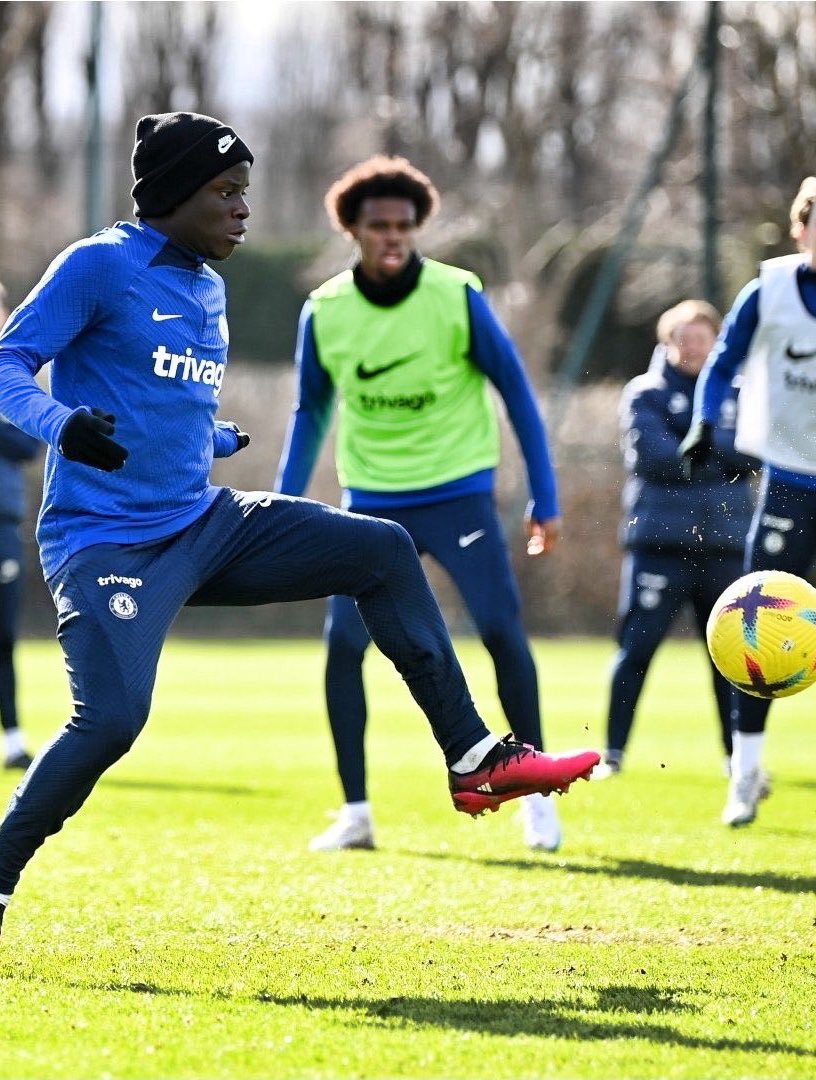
(493, 352)
(731, 350)
(134, 324)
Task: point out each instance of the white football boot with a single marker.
(352, 828)
(542, 831)
(605, 769)
(744, 792)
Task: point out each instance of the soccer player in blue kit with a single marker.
(131, 529)
(16, 448)
(771, 330)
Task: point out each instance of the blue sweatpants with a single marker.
(782, 537)
(11, 588)
(115, 605)
(465, 537)
(654, 587)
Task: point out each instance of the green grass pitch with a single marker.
(178, 926)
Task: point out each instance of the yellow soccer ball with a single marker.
(761, 634)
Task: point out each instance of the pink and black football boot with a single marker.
(512, 769)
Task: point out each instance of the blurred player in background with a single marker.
(16, 448)
(131, 529)
(409, 347)
(771, 330)
(684, 540)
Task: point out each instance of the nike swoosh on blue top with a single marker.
(372, 373)
(161, 318)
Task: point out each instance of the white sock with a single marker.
(5, 900)
(359, 811)
(747, 752)
(473, 758)
(14, 742)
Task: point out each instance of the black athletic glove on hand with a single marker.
(695, 448)
(86, 439)
(243, 438)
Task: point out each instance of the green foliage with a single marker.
(178, 927)
(265, 292)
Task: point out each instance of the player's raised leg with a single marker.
(275, 548)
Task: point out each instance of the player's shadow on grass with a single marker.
(193, 787)
(543, 1018)
(641, 868)
(509, 1017)
(808, 785)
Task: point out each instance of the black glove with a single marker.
(243, 438)
(695, 448)
(86, 438)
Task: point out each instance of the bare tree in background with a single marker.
(305, 123)
(535, 119)
(543, 96)
(169, 64)
(772, 93)
(22, 47)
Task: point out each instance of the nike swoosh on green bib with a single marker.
(372, 373)
(385, 440)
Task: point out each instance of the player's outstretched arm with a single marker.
(542, 536)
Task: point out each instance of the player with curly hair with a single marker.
(410, 347)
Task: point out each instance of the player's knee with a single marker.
(634, 658)
(121, 732)
(115, 726)
(390, 548)
(346, 644)
(399, 539)
(503, 636)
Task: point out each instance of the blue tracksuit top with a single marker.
(492, 351)
(15, 448)
(133, 324)
(661, 510)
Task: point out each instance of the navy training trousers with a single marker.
(116, 603)
(654, 587)
(782, 537)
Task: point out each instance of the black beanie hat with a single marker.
(177, 153)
